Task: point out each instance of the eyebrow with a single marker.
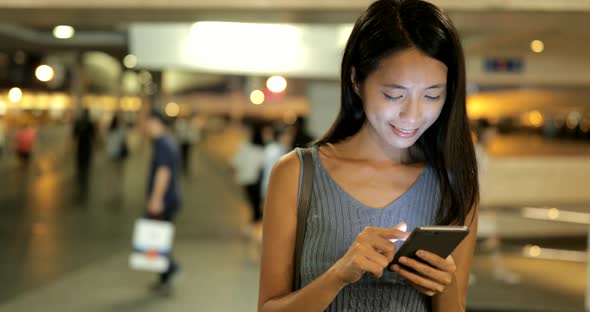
(396, 86)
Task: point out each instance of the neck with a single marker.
(367, 144)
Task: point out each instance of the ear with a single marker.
(355, 85)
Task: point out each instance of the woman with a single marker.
(399, 152)
(248, 164)
(117, 151)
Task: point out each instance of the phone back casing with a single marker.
(438, 240)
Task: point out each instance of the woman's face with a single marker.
(404, 97)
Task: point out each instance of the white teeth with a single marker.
(404, 130)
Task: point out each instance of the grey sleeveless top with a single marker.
(336, 218)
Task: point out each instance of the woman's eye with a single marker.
(432, 98)
(393, 98)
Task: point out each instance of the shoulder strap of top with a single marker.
(303, 203)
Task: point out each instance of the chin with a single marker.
(403, 145)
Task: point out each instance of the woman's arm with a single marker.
(278, 245)
(455, 295)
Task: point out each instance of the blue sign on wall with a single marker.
(505, 65)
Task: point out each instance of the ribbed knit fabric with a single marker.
(336, 218)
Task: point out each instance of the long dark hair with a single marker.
(387, 27)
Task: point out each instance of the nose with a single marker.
(411, 112)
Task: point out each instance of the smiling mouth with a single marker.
(406, 130)
(404, 133)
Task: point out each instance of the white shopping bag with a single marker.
(152, 243)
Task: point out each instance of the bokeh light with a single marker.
(44, 73)
(276, 84)
(257, 97)
(15, 95)
(63, 32)
(172, 109)
(537, 46)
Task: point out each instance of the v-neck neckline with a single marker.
(358, 202)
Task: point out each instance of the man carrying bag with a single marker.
(164, 198)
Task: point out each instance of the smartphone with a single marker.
(440, 240)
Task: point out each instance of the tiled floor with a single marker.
(219, 275)
(215, 277)
(61, 255)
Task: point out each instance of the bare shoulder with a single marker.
(284, 183)
(287, 167)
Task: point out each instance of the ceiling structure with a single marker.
(488, 27)
(481, 16)
(326, 5)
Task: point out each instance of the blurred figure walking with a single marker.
(25, 140)
(247, 163)
(187, 135)
(117, 152)
(164, 197)
(84, 134)
(2, 136)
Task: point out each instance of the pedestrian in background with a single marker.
(247, 164)
(187, 135)
(163, 196)
(25, 141)
(84, 135)
(117, 152)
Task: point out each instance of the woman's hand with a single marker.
(431, 279)
(370, 252)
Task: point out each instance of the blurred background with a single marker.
(231, 70)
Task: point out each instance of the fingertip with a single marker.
(402, 226)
